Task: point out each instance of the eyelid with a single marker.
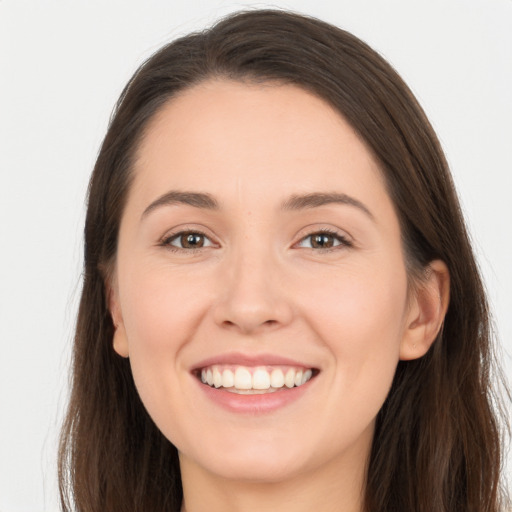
(178, 236)
(342, 236)
(178, 231)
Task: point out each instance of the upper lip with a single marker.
(240, 359)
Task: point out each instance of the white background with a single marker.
(63, 65)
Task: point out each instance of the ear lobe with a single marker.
(119, 341)
(427, 311)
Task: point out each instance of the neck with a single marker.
(336, 487)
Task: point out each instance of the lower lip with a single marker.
(254, 404)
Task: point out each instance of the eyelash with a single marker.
(342, 240)
(166, 241)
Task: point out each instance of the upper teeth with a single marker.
(254, 378)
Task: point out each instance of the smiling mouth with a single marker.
(250, 380)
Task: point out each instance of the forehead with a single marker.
(252, 140)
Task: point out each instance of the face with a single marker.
(260, 252)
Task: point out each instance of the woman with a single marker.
(281, 308)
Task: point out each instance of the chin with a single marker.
(254, 470)
(258, 462)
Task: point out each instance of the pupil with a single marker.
(322, 240)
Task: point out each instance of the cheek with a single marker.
(360, 318)
(358, 300)
(161, 313)
(161, 308)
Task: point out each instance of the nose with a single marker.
(253, 297)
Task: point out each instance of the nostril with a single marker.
(249, 326)
(249, 312)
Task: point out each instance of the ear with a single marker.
(119, 342)
(428, 305)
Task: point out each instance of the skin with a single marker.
(257, 286)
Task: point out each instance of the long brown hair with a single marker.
(437, 437)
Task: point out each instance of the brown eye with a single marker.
(324, 240)
(189, 240)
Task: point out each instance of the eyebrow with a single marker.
(295, 202)
(196, 199)
(315, 200)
